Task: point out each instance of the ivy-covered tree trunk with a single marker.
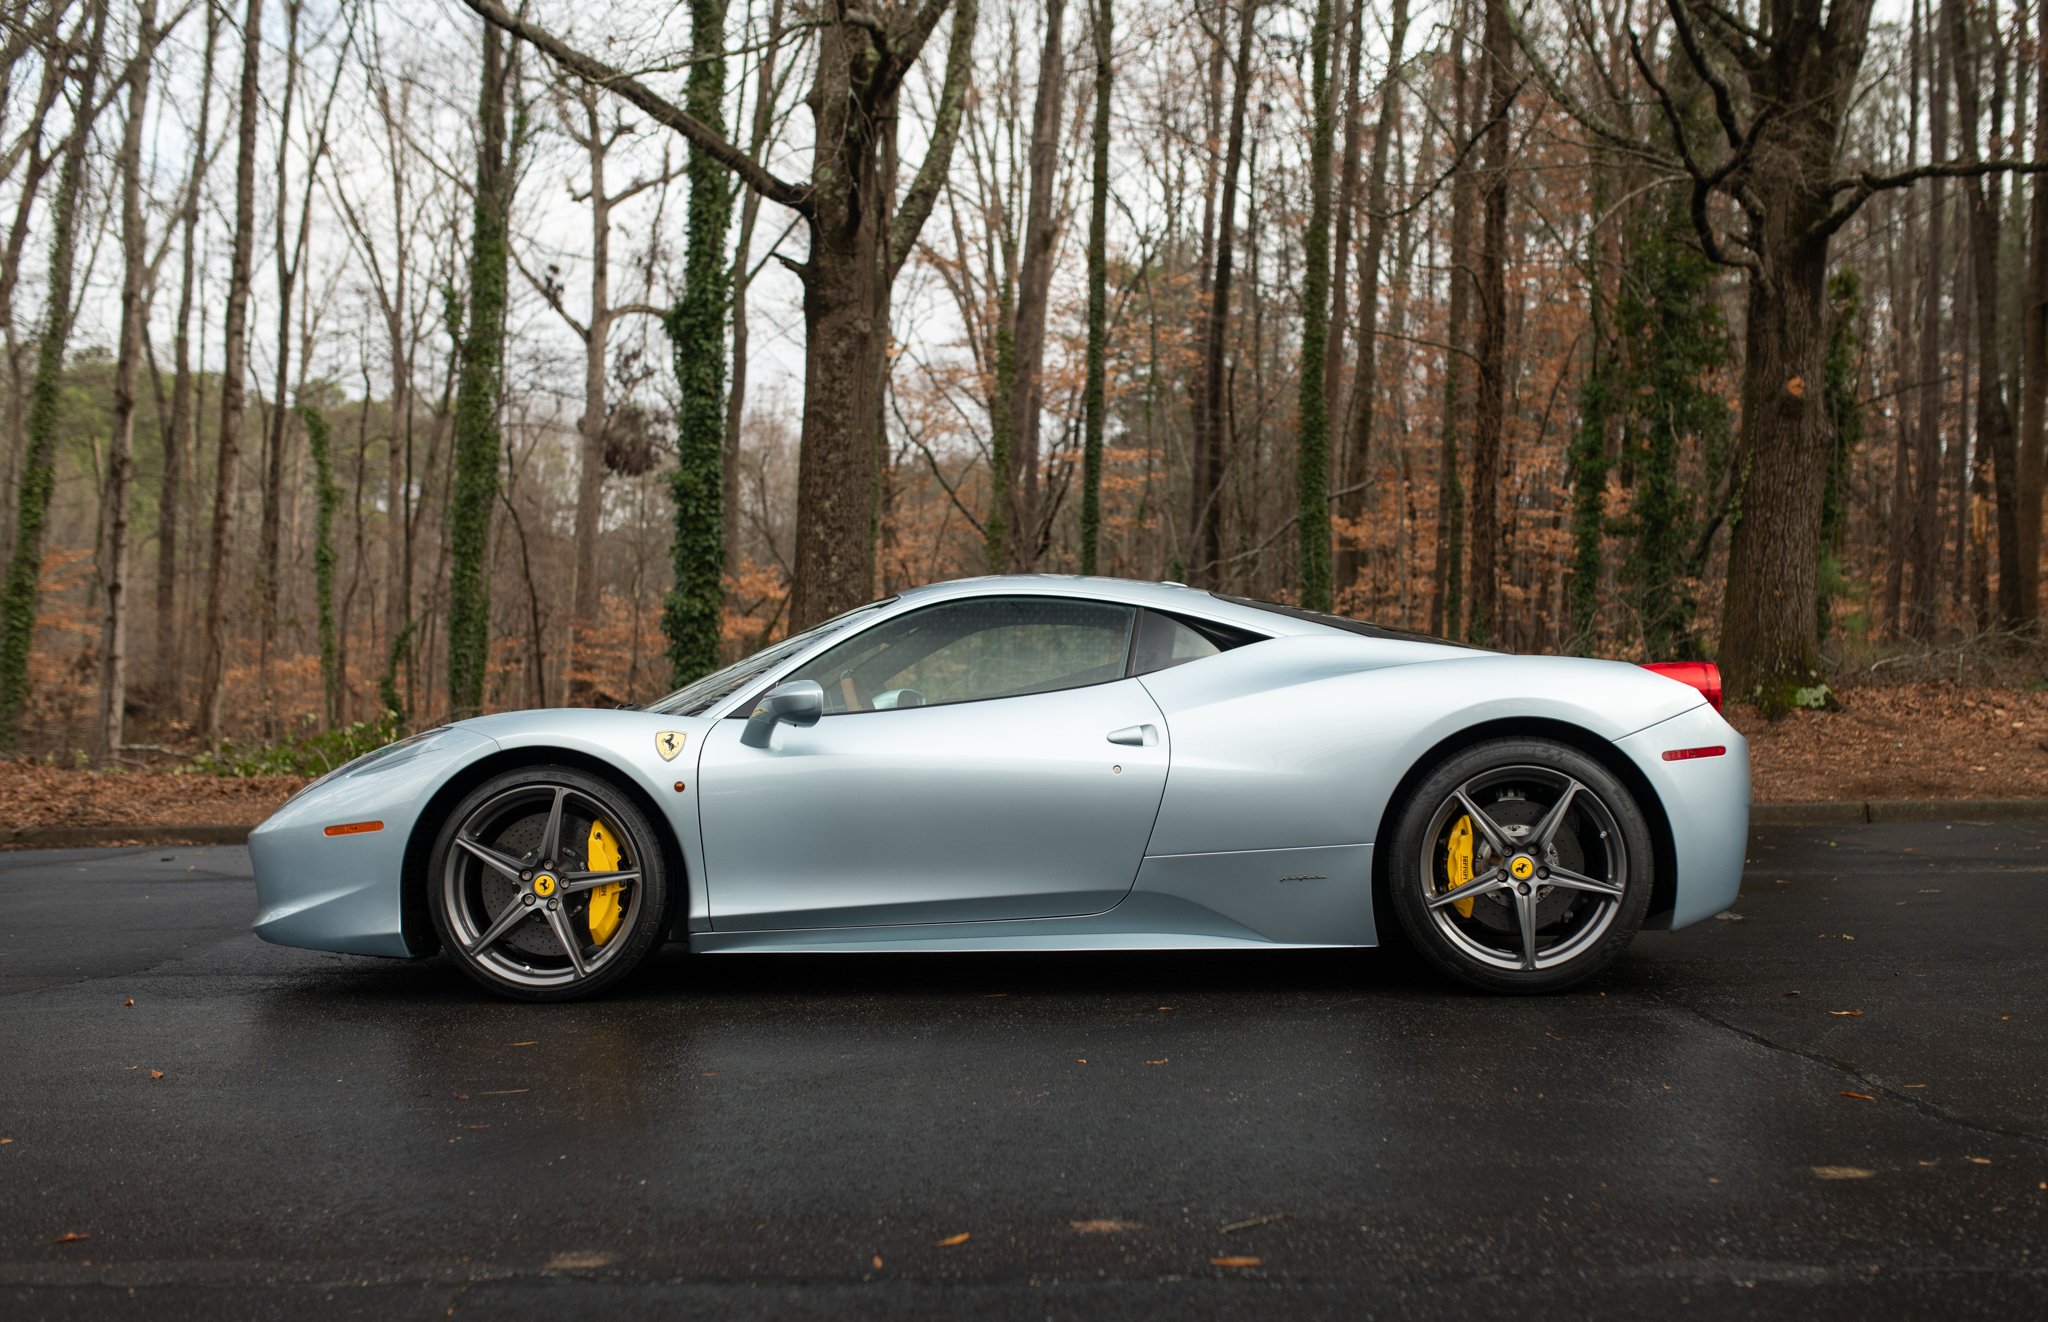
(1841, 396)
(1587, 460)
(1092, 390)
(696, 335)
(18, 595)
(1002, 498)
(477, 440)
(1312, 458)
(327, 498)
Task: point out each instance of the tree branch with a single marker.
(665, 112)
(1864, 184)
(916, 206)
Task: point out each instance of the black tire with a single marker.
(1581, 894)
(508, 914)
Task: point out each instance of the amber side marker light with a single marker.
(355, 828)
(1683, 754)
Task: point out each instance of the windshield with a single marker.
(696, 698)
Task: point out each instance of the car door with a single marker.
(978, 760)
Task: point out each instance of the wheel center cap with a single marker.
(544, 885)
(1522, 868)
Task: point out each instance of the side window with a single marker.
(1165, 641)
(965, 651)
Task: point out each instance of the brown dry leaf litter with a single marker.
(35, 795)
(1935, 740)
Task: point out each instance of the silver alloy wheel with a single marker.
(1553, 868)
(517, 885)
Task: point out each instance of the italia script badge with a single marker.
(668, 743)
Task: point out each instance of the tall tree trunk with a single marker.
(180, 433)
(742, 276)
(1034, 292)
(592, 426)
(1924, 606)
(268, 564)
(1489, 415)
(21, 589)
(1447, 593)
(858, 244)
(127, 366)
(1092, 402)
(2034, 336)
(478, 445)
(1350, 30)
(213, 668)
(1994, 415)
(327, 495)
(1364, 407)
(1205, 517)
(696, 326)
(1312, 457)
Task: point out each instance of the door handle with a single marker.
(1136, 736)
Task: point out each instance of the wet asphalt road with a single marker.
(1704, 1130)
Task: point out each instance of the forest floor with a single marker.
(1927, 740)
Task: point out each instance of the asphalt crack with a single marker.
(1848, 1070)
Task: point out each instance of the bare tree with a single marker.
(213, 666)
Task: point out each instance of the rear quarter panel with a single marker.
(1299, 742)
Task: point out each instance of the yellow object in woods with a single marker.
(1458, 862)
(605, 908)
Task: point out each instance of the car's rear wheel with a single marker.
(547, 884)
(1521, 865)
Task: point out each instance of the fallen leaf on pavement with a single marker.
(580, 1261)
(71, 1237)
(1981, 1161)
(156, 1074)
(1161, 1061)
(1237, 1262)
(950, 1240)
(878, 1262)
(1859, 1096)
(129, 1002)
(505, 1092)
(530, 1042)
(1843, 1172)
(1846, 1014)
(1251, 1222)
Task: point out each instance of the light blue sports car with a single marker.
(1042, 763)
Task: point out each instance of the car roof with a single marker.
(1173, 598)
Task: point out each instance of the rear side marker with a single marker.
(1670, 755)
(363, 828)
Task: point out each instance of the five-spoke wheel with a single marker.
(1521, 865)
(548, 884)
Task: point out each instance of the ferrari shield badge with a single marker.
(668, 743)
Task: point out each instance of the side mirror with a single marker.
(799, 702)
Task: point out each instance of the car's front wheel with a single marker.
(1521, 865)
(547, 884)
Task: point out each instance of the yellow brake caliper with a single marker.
(605, 908)
(1458, 862)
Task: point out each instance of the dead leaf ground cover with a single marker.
(1930, 740)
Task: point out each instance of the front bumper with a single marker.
(1706, 801)
(346, 892)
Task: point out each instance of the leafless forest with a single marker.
(430, 355)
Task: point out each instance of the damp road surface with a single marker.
(1833, 1100)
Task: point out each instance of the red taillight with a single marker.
(1702, 675)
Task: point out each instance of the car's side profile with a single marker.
(1040, 763)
